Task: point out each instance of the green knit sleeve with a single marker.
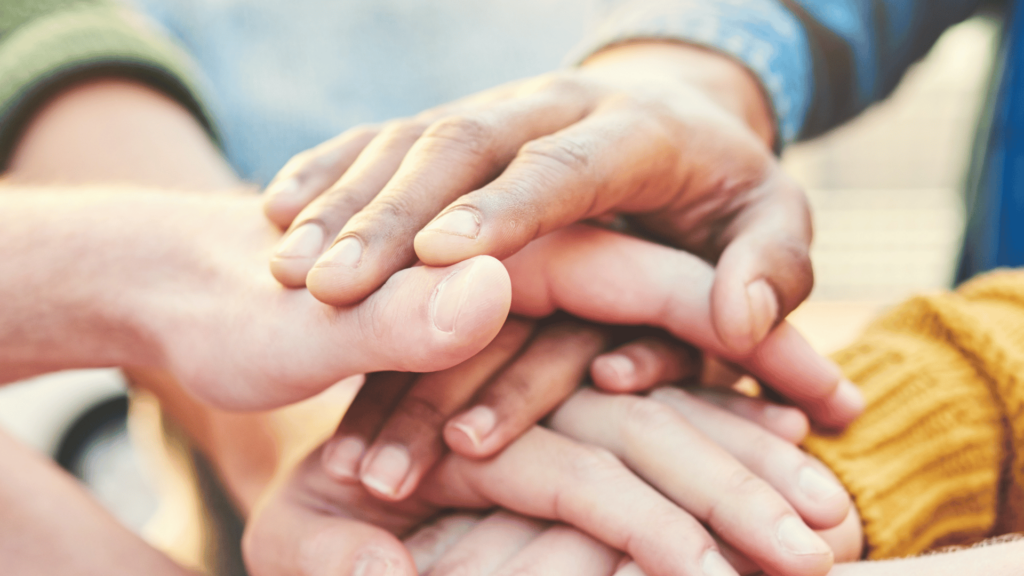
(47, 44)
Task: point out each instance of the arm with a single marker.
(820, 63)
(944, 426)
(50, 525)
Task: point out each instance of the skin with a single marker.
(674, 138)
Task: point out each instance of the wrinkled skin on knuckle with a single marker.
(643, 418)
(422, 412)
(741, 489)
(559, 152)
(470, 134)
(402, 130)
(593, 465)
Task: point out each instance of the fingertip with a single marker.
(788, 423)
(614, 372)
(468, 433)
(450, 237)
(341, 457)
(282, 201)
(473, 300)
(845, 404)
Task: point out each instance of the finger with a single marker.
(812, 490)
(764, 270)
(786, 422)
(562, 551)
(548, 476)
(410, 442)
(700, 475)
(454, 155)
(432, 541)
(317, 223)
(422, 320)
(611, 278)
(487, 546)
(377, 397)
(545, 374)
(579, 172)
(644, 363)
(309, 173)
(285, 539)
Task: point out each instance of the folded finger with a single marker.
(644, 363)
(453, 155)
(410, 441)
(608, 277)
(314, 228)
(548, 370)
(309, 173)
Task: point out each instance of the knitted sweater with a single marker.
(45, 45)
(938, 457)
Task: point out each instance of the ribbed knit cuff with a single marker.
(924, 463)
(51, 51)
(760, 34)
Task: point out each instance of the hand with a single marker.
(610, 278)
(540, 475)
(675, 138)
(49, 524)
(389, 443)
(493, 399)
(504, 543)
(180, 284)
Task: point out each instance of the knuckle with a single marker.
(593, 465)
(422, 412)
(473, 133)
(391, 209)
(562, 84)
(513, 388)
(644, 417)
(560, 151)
(403, 130)
(741, 490)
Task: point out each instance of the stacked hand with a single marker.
(691, 462)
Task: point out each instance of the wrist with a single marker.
(723, 79)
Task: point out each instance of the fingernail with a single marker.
(816, 485)
(796, 537)
(387, 469)
(849, 396)
(477, 423)
(714, 564)
(622, 367)
(764, 309)
(282, 188)
(341, 459)
(449, 296)
(306, 241)
(371, 565)
(346, 252)
(458, 222)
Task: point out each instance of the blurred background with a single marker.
(887, 196)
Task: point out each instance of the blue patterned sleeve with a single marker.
(820, 61)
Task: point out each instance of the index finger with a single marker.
(607, 277)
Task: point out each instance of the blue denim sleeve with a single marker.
(820, 61)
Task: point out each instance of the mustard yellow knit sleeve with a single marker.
(938, 457)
